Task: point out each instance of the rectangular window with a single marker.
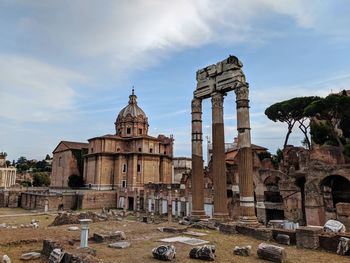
(150, 150)
(124, 168)
(140, 131)
(128, 130)
(140, 150)
(138, 168)
(124, 183)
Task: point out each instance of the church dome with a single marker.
(131, 120)
(131, 109)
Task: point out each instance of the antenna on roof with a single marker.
(133, 90)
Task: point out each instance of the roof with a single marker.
(118, 137)
(68, 145)
(131, 109)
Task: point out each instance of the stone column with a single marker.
(197, 160)
(218, 157)
(84, 234)
(245, 165)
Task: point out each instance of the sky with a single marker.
(68, 67)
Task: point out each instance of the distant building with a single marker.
(123, 162)
(67, 160)
(181, 165)
(129, 158)
(7, 174)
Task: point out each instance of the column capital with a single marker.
(217, 100)
(242, 92)
(196, 105)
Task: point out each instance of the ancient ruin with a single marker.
(214, 82)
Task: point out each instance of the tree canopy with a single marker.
(334, 111)
(291, 112)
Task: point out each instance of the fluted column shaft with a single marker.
(197, 160)
(245, 165)
(218, 157)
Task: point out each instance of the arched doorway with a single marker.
(273, 199)
(335, 189)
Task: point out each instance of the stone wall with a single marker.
(97, 199)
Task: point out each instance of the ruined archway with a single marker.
(335, 189)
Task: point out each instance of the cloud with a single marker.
(33, 91)
(136, 34)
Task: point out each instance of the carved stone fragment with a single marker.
(271, 252)
(164, 252)
(206, 252)
(242, 251)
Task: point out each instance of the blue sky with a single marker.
(68, 67)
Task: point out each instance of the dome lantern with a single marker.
(131, 120)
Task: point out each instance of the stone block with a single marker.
(328, 242)
(119, 245)
(49, 246)
(206, 252)
(283, 239)
(290, 233)
(30, 256)
(261, 233)
(164, 252)
(110, 237)
(271, 253)
(6, 259)
(343, 209)
(242, 251)
(343, 246)
(228, 228)
(334, 226)
(308, 237)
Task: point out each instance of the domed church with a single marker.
(129, 158)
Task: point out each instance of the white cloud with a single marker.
(135, 34)
(34, 91)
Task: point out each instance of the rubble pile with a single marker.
(69, 218)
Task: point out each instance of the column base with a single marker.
(221, 216)
(248, 220)
(199, 214)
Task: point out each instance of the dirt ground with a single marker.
(143, 237)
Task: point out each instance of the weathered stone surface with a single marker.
(329, 242)
(56, 256)
(261, 233)
(6, 259)
(307, 237)
(205, 225)
(49, 246)
(343, 246)
(206, 252)
(184, 222)
(73, 228)
(164, 252)
(334, 226)
(288, 232)
(228, 228)
(343, 209)
(170, 230)
(116, 236)
(119, 245)
(242, 251)
(271, 252)
(283, 239)
(30, 255)
(3, 225)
